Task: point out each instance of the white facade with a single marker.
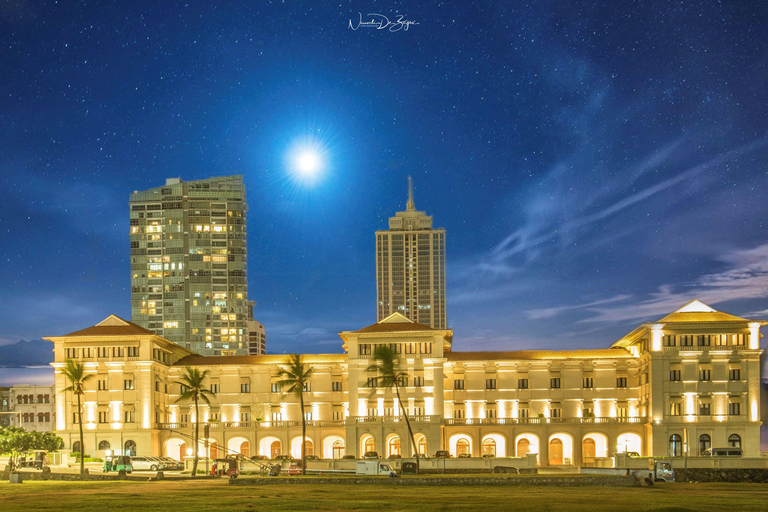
(35, 407)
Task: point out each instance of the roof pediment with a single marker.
(113, 325)
(697, 311)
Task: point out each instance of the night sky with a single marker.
(595, 165)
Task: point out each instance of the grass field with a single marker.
(217, 495)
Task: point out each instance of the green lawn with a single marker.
(217, 495)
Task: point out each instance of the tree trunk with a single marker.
(303, 436)
(197, 437)
(408, 423)
(82, 442)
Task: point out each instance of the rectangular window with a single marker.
(128, 384)
(734, 408)
(275, 387)
(308, 416)
(133, 351)
(245, 387)
(674, 375)
(621, 382)
(246, 416)
(734, 374)
(410, 348)
(490, 383)
(396, 348)
(402, 382)
(705, 374)
(587, 382)
(425, 348)
(621, 411)
(588, 412)
(739, 339)
(276, 416)
(686, 340)
(129, 416)
(364, 349)
(370, 382)
(418, 381)
(214, 389)
(458, 384)
(703, 340)
(556, 412)
(307, 386)
(554, 383)
(704, 409)
(337, 415)
(75, 418)
(103, 416)
(102, 384)
(669, 341)
(522, 383)
(184, 418)
(336, 386)
(458, 413)
(675, 409)
(522, 412)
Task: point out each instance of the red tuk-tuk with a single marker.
(228, 467)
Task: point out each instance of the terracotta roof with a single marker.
(395, 327)
(702, 316)
(515, 355)
(265, 359)
(121, 328)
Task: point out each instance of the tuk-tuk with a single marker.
(229, 467)
(117, 463)
(32, 459)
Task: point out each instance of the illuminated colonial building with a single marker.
(34, 407)
(693, 375)
(410, 268)
(188, 263)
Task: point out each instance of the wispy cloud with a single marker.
(536, 314)
(746, 278)
(528, 239)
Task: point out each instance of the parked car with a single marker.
(395, 456)
(283, 457)
(172, 463)
(142, 463)
(349, 457)
(371, 455)
(259, 457)
(489, 456)
(311, 457)
(722, 452)
(443, 453)
(465, 456)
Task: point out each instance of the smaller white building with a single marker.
(35, 405)
(257, 338)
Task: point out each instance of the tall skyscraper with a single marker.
(410, 267)
(188, 263)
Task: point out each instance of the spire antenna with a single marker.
(410, 205)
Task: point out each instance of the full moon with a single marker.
(308, 163)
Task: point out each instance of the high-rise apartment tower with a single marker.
(188, 263)
(410, 267)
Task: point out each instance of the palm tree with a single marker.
(192, 388)
(295, 376)
(389, 375)
(74, 371)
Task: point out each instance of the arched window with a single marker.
(76, 447)
(462, 446)
(129, 448)
(421, 445)
(309, 448)
(556, 452)
(338, 449)
(394, 445)
(245, 449)
(675, 446)
(705, 443)
(734, 441)
(275, 449)
(213, 450)
(104, 445)
(489, 447)
(369, 445)
(589, 450)
(523, 447)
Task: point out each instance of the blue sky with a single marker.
(595, 165)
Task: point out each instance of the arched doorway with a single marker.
(175, 448)
(555, 452)
(560, 450)
(333, 447)
(523, 447)
(675, 446)
(462, 447)
(76, 447)
(460, 444)
(368, 444)
(104, 445)
(129, 448)
(338, 449)
(239, 445)
(705, 443)
(734, 441)
(275, 449)
(393, 446)
(270, 446)
(421, 444)
(296, 447)
(594, 446)
(629, 442)
(489, 447)
(213, 450)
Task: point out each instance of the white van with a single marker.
(722, 452)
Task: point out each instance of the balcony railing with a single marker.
(396, 419)
(529, 421)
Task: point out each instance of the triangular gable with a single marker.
(113, 321)
(697, 311)
(395, 318)
(696, 306)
